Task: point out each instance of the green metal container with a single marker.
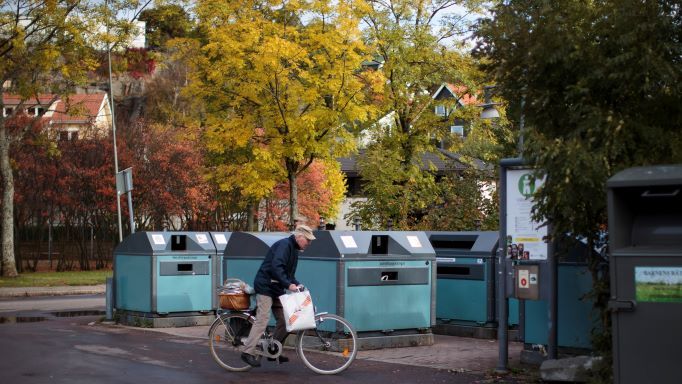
(379, 281)
(466, 276)
(576, 317)
(166, 273)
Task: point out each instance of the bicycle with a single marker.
(328, 349)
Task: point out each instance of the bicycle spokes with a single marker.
(330, 348)
(225, 341)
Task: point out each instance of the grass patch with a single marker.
(53, 279)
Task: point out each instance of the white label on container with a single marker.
(202, 238)
(220, 238)
(158, 239)
(414, 241)
(349, 242)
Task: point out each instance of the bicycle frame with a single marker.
(266, 342)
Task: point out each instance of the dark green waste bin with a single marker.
(645, 241)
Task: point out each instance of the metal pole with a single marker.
(113, 131)
(503, 308)
(49, 242)
(522, 319)
(130, 207)
(521, 125)
(502, 303)
(109, 298)
(92, 243)
(553, 311)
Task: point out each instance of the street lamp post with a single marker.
(489, 112)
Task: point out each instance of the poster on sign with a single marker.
(525, 237)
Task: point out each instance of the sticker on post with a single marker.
(658, 284)
(158, 240)
(202, 238)
(220, 238)
(348, 242)
(414, 241)
(523, 279)
(533, 279)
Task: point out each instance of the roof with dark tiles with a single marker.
(444, 161)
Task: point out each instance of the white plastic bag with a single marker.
(299, 313)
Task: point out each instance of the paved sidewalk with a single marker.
(52, 291)
(457, 354)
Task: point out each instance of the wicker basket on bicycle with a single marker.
(233, 296)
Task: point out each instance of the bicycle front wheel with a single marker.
(331, 347)
(225, 340)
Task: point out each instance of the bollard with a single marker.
(109, 302)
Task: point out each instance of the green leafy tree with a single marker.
(163, 23)
(281, 86)
(602, 90)
(414, 43)
(460, 204)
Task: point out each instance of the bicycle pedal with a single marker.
(279, 360)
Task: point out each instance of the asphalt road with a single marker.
(71, 345)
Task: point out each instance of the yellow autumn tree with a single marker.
(282, 84)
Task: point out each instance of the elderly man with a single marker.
(275, 275)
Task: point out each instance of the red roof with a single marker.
(465, 98)
(13, 100)
(88, 106)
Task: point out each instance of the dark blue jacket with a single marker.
(278, 269)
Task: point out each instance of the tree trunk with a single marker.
(9, 267)
(251, 214)
(293, 195)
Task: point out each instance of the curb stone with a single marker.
(52, 291)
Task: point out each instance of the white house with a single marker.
(79, 115)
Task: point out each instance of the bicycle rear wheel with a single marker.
(330, 348)
(225, 340)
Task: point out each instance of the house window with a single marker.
(68, 135)
(8, 111)
(35, 111)
(440, 110)
(457, 130)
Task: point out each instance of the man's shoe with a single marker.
(281, 358)
(250, 360)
